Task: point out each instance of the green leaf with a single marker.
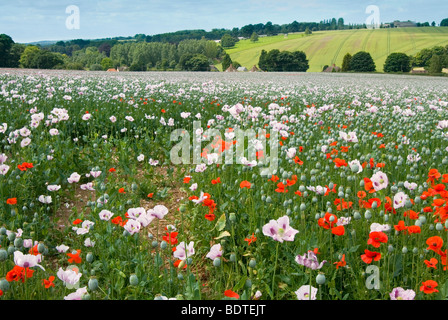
(222, 235)
(240, 284)
(221, 223)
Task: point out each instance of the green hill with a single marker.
(328, 47)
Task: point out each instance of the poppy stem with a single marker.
(275, 268)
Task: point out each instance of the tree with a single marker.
(281, 61)
(435, 64)
(47, 60)
(105, 48)
(107, 63)
(6, 44)
(307, 31)
(346, 62)
(397, 62)
(226, 62)
(28, 57)
(341, 23)
(198, 62)
(444, 23)
(362, 62)
(262, 62)
(227, 41)
(254, 37)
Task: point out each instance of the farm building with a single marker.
(333, 68)
(254, 69)
(243, 69)
(231, 68)
(404, 24)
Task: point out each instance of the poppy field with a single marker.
(212, 186)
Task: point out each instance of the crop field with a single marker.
(211, 186)
(328, 47)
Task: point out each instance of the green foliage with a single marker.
(106, 63)
(254, 37)
(346, 62)
(281, 61)
(444, 22)
(435, 64)
(227, 41)
(6, 56)
(226, 62)
(362, 62)
(397, 62)
(197, 62)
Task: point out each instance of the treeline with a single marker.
(429, 60)
(283, 61)
(189, 55)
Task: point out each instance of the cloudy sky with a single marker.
(37, 20)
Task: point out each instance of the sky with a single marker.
(38, 20)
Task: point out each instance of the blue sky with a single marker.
(36, 20)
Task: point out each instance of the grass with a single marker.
(327, 47)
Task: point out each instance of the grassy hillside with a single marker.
(327, 47)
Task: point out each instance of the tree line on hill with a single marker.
(432, 60)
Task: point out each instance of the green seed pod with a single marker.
(89, 257)
(11, 249)
(439, 226)
(3, 255)
(320, 279)
(232, 217)
(18, 242)
(86, 296)
(41, 247)
(4, 285)
(232, 257)
(217, 262)
(12, 236)
(248, 284)
(252, 263)
(93, 284)
(404, 250)
(180, 276)
(133, 280)
(163, 245)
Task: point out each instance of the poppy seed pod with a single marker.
(4, 285)
(89, 257)
(252, 263)
(217, 262)
(439, 226)
(93, 284)
(320, 279)
(133, 280)
(3, 255)
(41, 247)
(18, 242)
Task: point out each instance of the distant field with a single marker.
(327, 47)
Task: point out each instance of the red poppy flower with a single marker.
(245, 184)
(429, 287)
(231, 294)
(121, 190)
(341, 263)
(77, 221)
(74, 257)
(251, 239)
(370, 256)
(112, 170)
(210, 216)
(48, 283)
(431, 263)
(434, 243)
(376, 238)
(11, 201)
